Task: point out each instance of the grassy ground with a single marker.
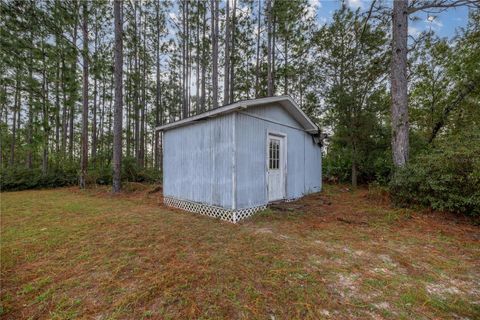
(338, 254)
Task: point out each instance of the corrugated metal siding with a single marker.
(276, 113)
(198, 162)
(313, 166)
(303, 158)
(250, 161)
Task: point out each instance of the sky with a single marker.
(444, 23)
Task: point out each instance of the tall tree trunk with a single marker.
(301, 89)
(400, 125)
(184, 59)
(257, 62)
(73, 84)
(269, 49)
(158, 96)
(84, 145)
(46, 128)
(136, 86)
(19, 108)
(232, 53)
(129, 103)
(157, 119)
(5, 119)
(353, 141)
(189, 65)
(152, 143)
(30, 120)
(117, 135)
(226, 78)
(214, 5)
(57, 112)
(111, 110)
(197, 62)
(354, 173)
(102, 117)
(64, 110)
(95, 93)
(141, 156)
(204, 61)
(4, 112)
(274, 56)
(4, 108)
(16, 109)
(285, 46)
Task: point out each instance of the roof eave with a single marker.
(308, 124)
(201, 117)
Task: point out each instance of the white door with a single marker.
(276, 167)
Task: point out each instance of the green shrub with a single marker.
(133, 173)
(19, 178)
(100, 175)
(337, 166)
(445, 178)
(374, 165)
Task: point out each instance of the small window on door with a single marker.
(274, 154)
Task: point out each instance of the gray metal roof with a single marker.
(285, 101)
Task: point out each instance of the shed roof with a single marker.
(285, 101)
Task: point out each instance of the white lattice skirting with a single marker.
(212, 211)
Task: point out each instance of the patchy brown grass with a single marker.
(338, 254)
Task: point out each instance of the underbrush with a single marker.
(445, 178)
(378, 193)
(21, 178)
(15, 179)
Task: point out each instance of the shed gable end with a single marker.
(282, 102)
(274, 113)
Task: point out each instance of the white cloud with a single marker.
(433, 22)
(173, 16)
(413, 31)
(313, 5)
(355, 4)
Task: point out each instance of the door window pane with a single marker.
(274, 154)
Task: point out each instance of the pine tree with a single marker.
(84, 146)
(118, 118)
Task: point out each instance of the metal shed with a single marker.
(230, 162)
